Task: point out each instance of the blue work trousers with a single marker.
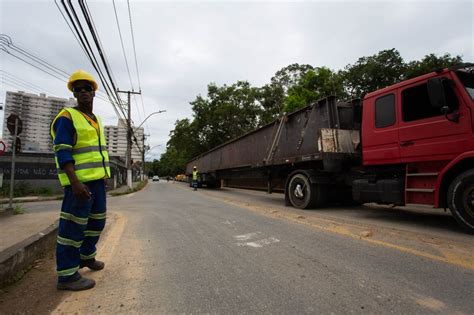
(80, 225)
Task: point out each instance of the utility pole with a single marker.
(143, 156)
(129, 138)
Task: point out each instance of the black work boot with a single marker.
(92, 264)
(78, 285)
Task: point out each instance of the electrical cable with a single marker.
(9, 43)
(123, 47)
(136, 61)
(99, 49)
(113, 97)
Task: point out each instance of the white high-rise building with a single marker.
(116, 137)
(36, 113)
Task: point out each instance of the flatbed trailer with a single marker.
(409, 143)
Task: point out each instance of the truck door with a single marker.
(380, 130)
(425, 133)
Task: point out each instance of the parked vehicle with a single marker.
(409, 143)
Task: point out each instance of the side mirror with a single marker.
(436, 93)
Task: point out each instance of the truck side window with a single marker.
(416, 103)
(385, 111)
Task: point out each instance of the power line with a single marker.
(123, 47)
(31, 64)
(135, 56)
(82, 38)
(20, 80)
(133, 42)
(8, 41)
(88, 19)
(125, 58)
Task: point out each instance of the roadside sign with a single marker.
(11, 124)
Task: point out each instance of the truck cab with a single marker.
(418, 145)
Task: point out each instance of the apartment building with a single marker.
(36, 112)
(116, 137)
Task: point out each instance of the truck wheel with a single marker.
(461, 200)
(302, 194)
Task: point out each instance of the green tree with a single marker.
(180, 148)
(290, 76)
(313, 85)
(226, 113)
(374, 72)
(271, 97)
(430, 63)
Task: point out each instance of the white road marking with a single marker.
(246, 237)
(260, 243)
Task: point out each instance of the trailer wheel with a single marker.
(302, 194)
(461, 200)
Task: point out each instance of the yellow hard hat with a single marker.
(81, 75)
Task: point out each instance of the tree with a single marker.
(374, 72)
(430, 63)
(312, 86)
(226, 113)
(271, 97)
(290, 75)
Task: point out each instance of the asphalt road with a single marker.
(169, 249)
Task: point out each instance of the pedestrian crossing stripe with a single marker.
(71, 217)
(68, 242)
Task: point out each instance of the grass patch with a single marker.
(17, 209)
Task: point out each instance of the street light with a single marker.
(160, 111)
(156, 146)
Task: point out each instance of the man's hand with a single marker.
(81, 191)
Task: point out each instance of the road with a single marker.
(169, 249)
(172, 250)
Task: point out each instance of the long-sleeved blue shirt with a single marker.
(64, 140)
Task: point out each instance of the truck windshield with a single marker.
(467, 79)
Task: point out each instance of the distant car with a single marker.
(156, 178)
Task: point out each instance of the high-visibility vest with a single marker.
(195, 175)
(91, 159)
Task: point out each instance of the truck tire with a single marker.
(461, 200)
(304, 195)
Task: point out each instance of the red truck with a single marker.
(409, 143)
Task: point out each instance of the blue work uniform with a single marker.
(81, 221)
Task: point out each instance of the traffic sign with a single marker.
(11, 124)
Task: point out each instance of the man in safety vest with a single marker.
(82, 163)
(195, 178)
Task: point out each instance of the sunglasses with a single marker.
(87, 88)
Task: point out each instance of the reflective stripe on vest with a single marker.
(91, 160)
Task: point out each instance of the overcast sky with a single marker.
(182, 46)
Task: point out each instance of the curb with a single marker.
(15, 260)
(30, 199)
